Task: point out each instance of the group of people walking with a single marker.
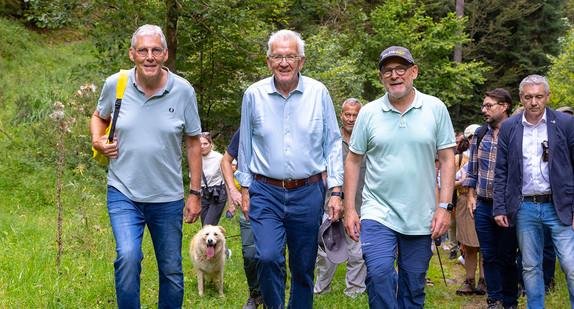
(296, 168)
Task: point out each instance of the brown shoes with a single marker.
(467, 287)
(481, 287)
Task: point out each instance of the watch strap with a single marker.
(339, 194)
(194, 192)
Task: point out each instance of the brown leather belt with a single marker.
(538, 199)
(290, 183)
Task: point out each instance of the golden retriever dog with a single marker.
(207, 250)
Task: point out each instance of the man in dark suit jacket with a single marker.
(534, 184)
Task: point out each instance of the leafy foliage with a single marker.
(53, 14)
(324, 62)
(561, 74)
(513, 38)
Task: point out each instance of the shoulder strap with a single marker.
(122, 82)
(120, 89)
(480, 134)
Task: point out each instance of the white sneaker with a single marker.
(461, 260)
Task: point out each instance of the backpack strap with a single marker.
(120, 89)
(480, 132)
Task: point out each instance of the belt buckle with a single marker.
(535, 199)
(284, 181)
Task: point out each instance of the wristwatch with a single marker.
(198, 193)
(339, 194)
(447, 206)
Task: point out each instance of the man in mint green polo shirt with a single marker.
(400, 134)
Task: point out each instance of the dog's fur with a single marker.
(210, 267)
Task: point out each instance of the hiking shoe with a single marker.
(467, 287)
(481, 287)
(452, 255)
(254, 301)
(494, 304)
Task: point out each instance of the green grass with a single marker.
(37, 70)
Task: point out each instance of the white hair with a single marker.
(534, 80)
(351, 102)
(149, 30)
(287, 35)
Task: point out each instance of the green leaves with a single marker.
(561, 73)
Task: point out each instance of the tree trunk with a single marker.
(459, 14)
(458, 49)
(171, 32)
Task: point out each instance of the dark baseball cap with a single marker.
(396, 51)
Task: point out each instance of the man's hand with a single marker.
(245, 202)
(108, 150)
(335, 208)
(234, 201)
(230, 208)
(440, 223)
(192, 209)
(501, 220)
(352, 224)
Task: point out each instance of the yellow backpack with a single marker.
(120, 88)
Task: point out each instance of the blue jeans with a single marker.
(499, 248)
(530, 221)
(277, 214)
(548, 261)
(379, 244)
(164, 220)
(248, 251)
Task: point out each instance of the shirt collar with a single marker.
(528, 124)
(387, 107)
(168, 84)
(272, 89)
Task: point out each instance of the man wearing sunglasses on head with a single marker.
(498, 245)
(534, 185)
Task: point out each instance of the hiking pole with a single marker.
(437, 247)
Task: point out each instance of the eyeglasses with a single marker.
(143, 52)
(400, 69)
(489, 105)
(279, 59)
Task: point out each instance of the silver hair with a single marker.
(534, 80)
(149, 30)
(287, 35)
(352, 102)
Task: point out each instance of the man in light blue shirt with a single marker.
(399, 134)
(145, 184)
(289, 137)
